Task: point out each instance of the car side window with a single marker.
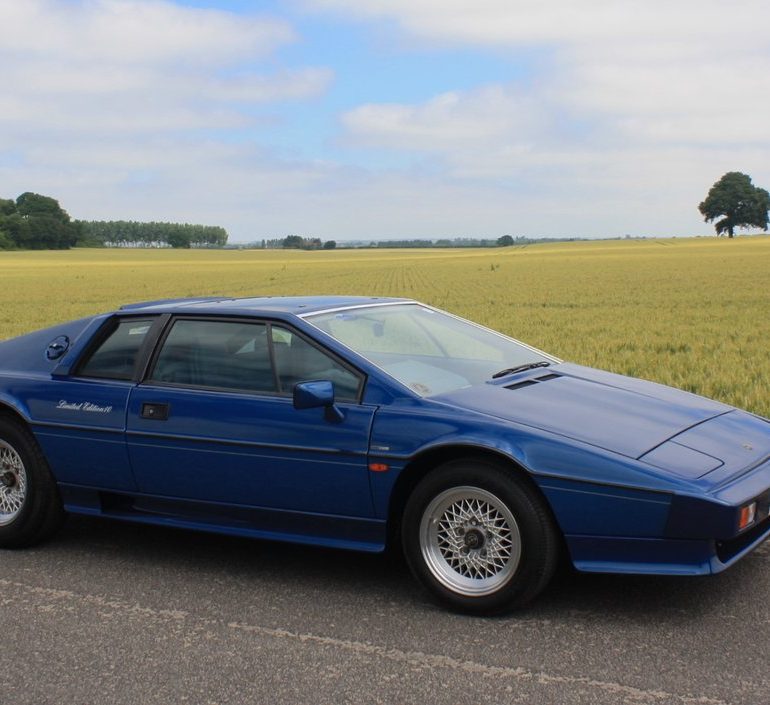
(115, 357)
(216, 354)
(297, 360)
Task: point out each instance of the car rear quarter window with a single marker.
(115, 357)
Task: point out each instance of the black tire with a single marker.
(479, 537)
(30, 506)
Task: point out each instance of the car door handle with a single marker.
(155, 411)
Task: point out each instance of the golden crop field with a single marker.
(692, 313)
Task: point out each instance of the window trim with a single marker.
(171, 320)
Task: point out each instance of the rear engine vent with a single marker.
(545, 378)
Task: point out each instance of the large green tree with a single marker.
(737, 202)
(33, 204)
(36, 222)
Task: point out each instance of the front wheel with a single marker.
(479, 537)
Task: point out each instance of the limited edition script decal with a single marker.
(83, 406)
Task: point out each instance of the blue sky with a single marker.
(358, 119)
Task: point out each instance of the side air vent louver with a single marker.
(530, 382)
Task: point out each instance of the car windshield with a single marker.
(429, 351)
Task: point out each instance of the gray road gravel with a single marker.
(114, 613)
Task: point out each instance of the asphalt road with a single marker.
(115, 613)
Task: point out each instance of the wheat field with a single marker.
(692, 313)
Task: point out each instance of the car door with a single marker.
(214, 421)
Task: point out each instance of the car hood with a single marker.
(621, 414)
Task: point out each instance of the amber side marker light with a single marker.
(379, 467)
(747, 515)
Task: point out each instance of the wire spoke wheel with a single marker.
(470, 541)
(478, 535)
(13, 484)
(31, 509)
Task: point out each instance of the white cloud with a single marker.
(141, 108)
(106, 100)
(132, 66)
(508, 22)
(510, 158)
(147, 109)
(135, 32)
(688, 70)
(452, 120)
(635, 109)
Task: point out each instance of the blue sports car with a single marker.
(360, 423)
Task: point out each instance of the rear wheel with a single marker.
(30, 506)
(479, 537)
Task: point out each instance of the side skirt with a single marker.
(350, 533)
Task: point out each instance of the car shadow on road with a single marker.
(344, 576)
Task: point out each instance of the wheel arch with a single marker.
(431, 458)
(12, 413)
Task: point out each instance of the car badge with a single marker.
(747, 446)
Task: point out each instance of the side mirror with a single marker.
(315, 395)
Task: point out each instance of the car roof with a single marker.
(296, 305)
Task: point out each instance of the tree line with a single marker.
(298, 242)
(130, 233)
(36, 222)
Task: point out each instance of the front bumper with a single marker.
(700, 536)
(665, 556)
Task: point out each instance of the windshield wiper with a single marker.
(520, 368)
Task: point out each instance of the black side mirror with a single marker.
(315, 395)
